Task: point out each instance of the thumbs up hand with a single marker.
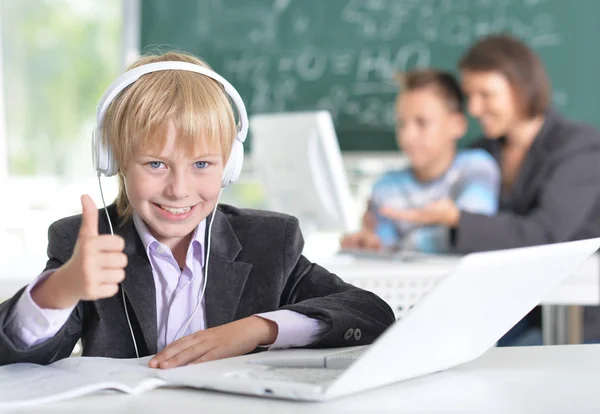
(93, 272)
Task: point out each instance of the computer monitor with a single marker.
(296, 156)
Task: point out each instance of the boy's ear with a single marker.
(460, 125)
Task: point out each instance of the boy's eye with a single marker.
(155, 164)
(200, 164)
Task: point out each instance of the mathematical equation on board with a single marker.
(354, 79)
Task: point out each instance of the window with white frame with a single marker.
(56, 58)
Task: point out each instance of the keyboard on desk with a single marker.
(344, 359)
(392, 255)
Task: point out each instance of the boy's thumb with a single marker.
(89, 217)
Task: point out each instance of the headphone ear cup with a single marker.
(233, 169)
(111, 168)
(103, 159)
(95, 151)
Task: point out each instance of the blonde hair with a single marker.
(197, 105)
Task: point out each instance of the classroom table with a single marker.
(514, 380)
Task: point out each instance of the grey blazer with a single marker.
(555, 197)
(255, 265)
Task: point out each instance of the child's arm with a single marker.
(33, 319)
(366, 238)
(316, 293)
(479, 187)
(324, 311)
(93, 272)
(376, 232)
(477, 192)
(29, 324)
(31, 334)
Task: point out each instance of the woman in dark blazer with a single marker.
(550, 165)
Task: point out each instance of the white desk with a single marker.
(550, 379)
(381, 276)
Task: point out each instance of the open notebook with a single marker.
(31, 384)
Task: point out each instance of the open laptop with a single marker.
(460, 319)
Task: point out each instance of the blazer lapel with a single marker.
(139, 284)
(226, 277)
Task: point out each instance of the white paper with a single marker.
(31, 384)
(130, 374)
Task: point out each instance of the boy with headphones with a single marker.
(165, 270)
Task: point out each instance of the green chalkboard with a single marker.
(341, 55)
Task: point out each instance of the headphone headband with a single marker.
(134, 74)
(104, 161)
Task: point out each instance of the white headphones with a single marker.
(103, 157)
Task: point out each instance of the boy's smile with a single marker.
(172, 190)
(174, 213)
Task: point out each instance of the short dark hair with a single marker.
(444, 83)
(518, 63)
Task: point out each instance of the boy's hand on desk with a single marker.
(232, 339)
(94, 271)
(442, 212)
(369, 221)
(363, 240)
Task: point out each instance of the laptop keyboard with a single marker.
(349, 356)
(336, 364)
(316, 376)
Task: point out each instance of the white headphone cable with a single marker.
(201, 295)
(137, 354)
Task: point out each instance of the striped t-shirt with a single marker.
(472, 182)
